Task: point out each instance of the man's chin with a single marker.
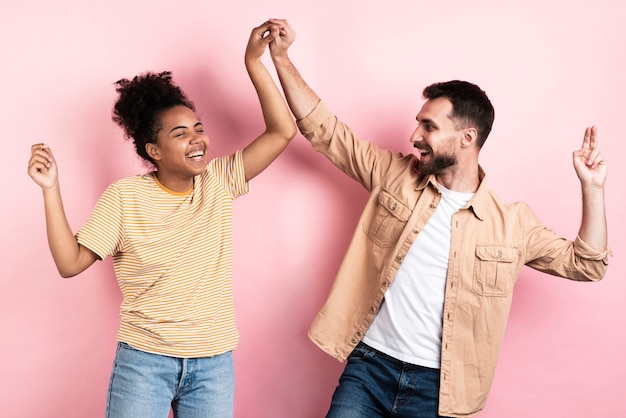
(436, 166)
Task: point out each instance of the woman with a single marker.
(169, 233)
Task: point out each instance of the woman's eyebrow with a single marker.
(184, 127)
(177, 127)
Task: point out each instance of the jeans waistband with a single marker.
(390, 358)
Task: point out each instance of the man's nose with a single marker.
(416, 136)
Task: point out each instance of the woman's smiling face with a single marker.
(181, 150)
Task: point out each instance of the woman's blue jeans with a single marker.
(375, 385)
(146, 385)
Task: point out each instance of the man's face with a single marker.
(436, 137)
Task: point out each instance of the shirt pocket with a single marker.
(387, 220)
(495, 270)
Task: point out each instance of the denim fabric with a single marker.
(146, 385)
(375, 385)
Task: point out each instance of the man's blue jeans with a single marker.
(146, 385)
(375, 385)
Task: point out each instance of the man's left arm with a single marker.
(592, 170)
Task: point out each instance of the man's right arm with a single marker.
(300, 97)
(361, 160)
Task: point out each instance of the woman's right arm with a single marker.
(70, 257)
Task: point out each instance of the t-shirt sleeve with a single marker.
(229, 171)
(103, 231)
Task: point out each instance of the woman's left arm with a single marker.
(280, 126)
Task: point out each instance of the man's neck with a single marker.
(460, 179)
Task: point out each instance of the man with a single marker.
(420, 302)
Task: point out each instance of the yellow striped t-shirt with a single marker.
(173, 256)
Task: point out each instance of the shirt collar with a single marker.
(478, 202)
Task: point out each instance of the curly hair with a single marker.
(140, 103)
(470, 104)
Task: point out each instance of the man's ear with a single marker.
(153, 151)
(469, 137)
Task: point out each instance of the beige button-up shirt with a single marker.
(490, 242)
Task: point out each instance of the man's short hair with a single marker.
(470, 105)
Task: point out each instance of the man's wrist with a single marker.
(592, 188)
(280, 58)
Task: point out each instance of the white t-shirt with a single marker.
(408, 324)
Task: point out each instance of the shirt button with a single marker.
(393, 206)
(499, 254)
(399, 257)
(415, 231)
(385, 283)
(373, 309)
(359, 334)
(353, 341)
(433, 206)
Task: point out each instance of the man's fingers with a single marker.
(594, 156)
(593, 136)
(586, 139)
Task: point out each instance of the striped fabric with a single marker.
(173, 256)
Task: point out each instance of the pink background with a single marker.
(550, 67)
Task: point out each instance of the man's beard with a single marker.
(437, 164)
